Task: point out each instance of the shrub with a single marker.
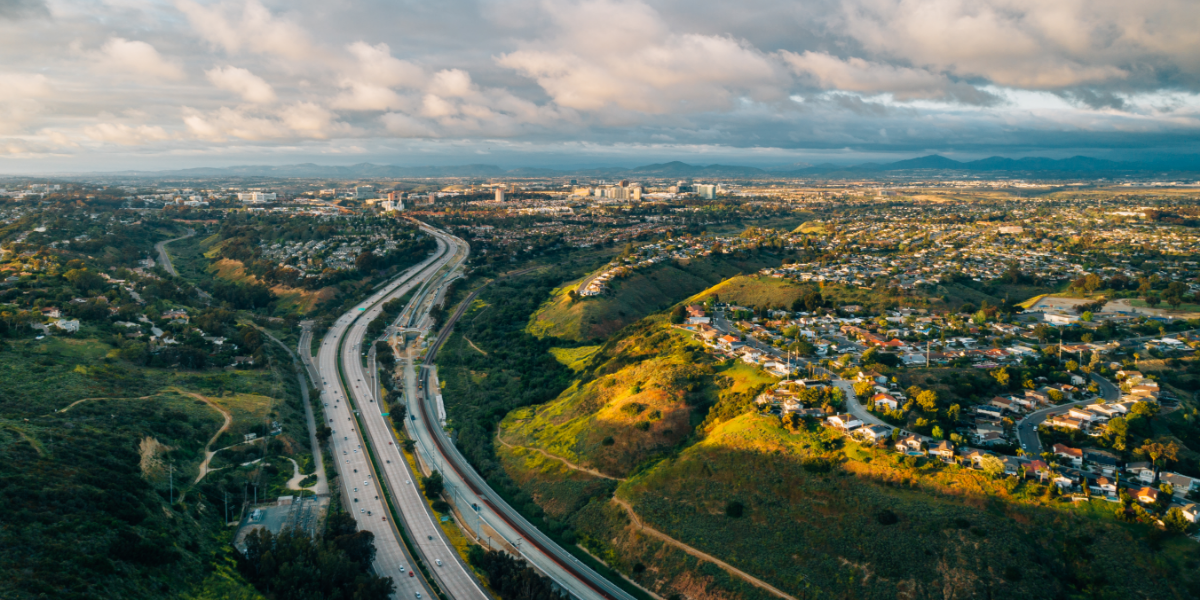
(887, 517)
(608, 441)
(734, 509)
(643, 426)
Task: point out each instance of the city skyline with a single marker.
(168, 85)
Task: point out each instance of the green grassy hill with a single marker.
(644, 292)
(803, 511)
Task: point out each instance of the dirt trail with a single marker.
(560, 459)
(752, 580)
(72, 405)
(477, 349)
(208, 454)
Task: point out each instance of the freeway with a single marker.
(474, 497)
(445, 565)
(363, 500)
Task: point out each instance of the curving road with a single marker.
(163, 258)
(443, 561)
(359, 482)
(485, 508)
(1027, 427)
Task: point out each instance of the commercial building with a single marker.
(256, 197)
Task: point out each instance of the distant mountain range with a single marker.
(932, 164)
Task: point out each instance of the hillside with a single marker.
(631, 298)
(803, 512)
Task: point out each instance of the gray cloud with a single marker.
(23, 9)
(372, 78)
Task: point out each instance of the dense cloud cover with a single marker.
(125, 83)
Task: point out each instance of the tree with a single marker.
(953, 412)
(1086, 317)
(991, 465)
(927, 400)
(1175, 522)
(863, 389)
(677, 314)
(1153, 300)
(937, 432)
(1055, 396)
(1001, 376)
(433, 485)
(1071, 365)
(1166, 451)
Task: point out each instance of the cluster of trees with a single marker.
(336, 564)
(511, 577)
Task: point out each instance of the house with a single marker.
(1064, 422)
(70, 326)
(1012, 466)
(909, 443)
(1106, 485)
(1191, 512)
(1003, 403)
(240, 361)
(871, 376)
(944, 450)
(845, 422)
(873, 433)
(1039, 468)
(51, 312)
(1063, 482)
(1081, 414)
(885, 402)
(1104, 461)
(1075, 455)
(729, 342)
(1142, 471)
(1037, 397)
(1147, 495)
(989, 438)
(1180, 484)
(176, 314)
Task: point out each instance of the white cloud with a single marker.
(621, 54)
(133, 57)
(402, 125)
(367, 96)
(1031, 44)
(248, 26)
(377, 66)
(242, 82)
(126, 135)
(23, 86)
(858, 75)
(295, 121)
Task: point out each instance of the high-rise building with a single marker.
(706, 191)
(499, 194)
(397, 200)
(364, 192)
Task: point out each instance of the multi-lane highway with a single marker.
(349, 394)
(444, 563)
(482, 507)
(360, 484)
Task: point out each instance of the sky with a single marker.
(127, 84)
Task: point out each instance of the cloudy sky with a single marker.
(119, 84)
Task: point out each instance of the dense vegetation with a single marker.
(511, 577)
(334, 566)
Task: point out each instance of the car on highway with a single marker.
(438, 561)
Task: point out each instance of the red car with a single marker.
(410, 574)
